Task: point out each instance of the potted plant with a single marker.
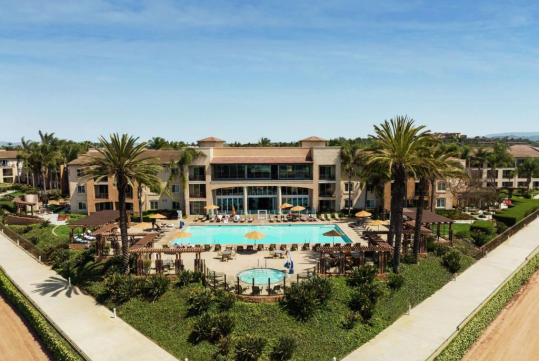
(147, 264)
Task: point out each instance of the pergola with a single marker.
(346, 257)
(178, 262)
(97, 220)
(20, 204)
(430, 218)
(113, 237)
(408, 232)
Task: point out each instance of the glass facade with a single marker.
(295, 171)
(232, 191)
(225, 172)
(197, 190)
(259, 171)
(293, 191)
(262, 191)
(297, 201)
(226, 204)
(262, 171)
(197, 173)
(327, 172)
(197, 207)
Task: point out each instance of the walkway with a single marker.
(417, 336)
(91, 326)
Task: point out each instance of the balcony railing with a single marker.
(197, 178)
(328, 177)
(197, 195)
(327, 194)
(101, 196)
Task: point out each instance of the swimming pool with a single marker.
(261, 275)
(281, 234)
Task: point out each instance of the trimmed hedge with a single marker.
(514, 214)
(59, 347)
(473, 329)
(486, 227)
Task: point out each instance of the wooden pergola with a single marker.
(429, 219)
(96, 221)
(178, 262)
(346, 257)
(146, 240)
(20, 204)
(407, 232)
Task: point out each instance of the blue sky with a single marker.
(241, 70)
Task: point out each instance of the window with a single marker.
(492, 174)
(106, 206)
(259, 171)
(262, 191)
(176, 205)
(197, 207)
(440, 203)
(294, 191)
(197, 174)
(492, 184)
(507, 184)
(326, 206)
(441, 186)
(327, 172)
(80, 173)
(224, 172)
(297, 171)
(371, 203)
(154, 205)
(101, 191)
(232, 191)
(82, 206)
(8, 172)
(81, 189)
(347, 203)
(175, 188)
(506, 173)
(535, 184)
(326, 190)
(522, 184)
(348, 186)
(197, 190)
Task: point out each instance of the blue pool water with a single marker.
(261, 275)
(282, 234)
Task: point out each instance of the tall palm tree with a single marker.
(398, 147)
(478, 160)
(351, 162)
(264, 142)
(180, 169)
(376, 177)
(528, 168)
(123, 160)
(157, 143)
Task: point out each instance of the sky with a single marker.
(285, 70)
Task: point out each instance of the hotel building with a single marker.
(9, 166)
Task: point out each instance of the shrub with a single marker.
(58, 347)
(520, 209)
(283, 349)
(225, 300)
(362, 275)
(486, 227)
(479, 238)
(322, 288)
(350, 320)
(365, 299)
(155, 286)
(249, 348)
(186, 277)
(122, 288)
(407, 258)
(451, 261)
(440, 249)
(58, 258)
(301, 301)
(395, 281)
(482, 216)
(224, 345)
(501, 227)
(199, 301)
(462, 234)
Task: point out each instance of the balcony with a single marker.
(326, 194)
(197, 195)
(101, 196)
(327, 177)
(197, 178)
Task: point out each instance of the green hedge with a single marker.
(486, 227)
(59, 347)
(518, 211)
(473, 329)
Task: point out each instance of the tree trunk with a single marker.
(432, 185)
(139, 194)
(392, 207)
(397, 212)
(122, 188)
(423, 183)
(529, 183)
(44, 181)
(349, 193)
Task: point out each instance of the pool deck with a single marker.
(303, 260)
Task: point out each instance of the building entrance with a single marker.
(261, 203)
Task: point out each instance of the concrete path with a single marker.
(417, 336)
(91, 326)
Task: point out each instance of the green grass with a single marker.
(521, 208)
(320, 338)
(41, 237)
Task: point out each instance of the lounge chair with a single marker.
(242, 220)
(322, 217)
(250, 247)
(207, 247)
(256, 291)
(260, 247)
(337, 217)
(271, 220)
(294, 247)
(305, 247)
(328, 216)
(239, 249)
(251, 219)
(278, 219)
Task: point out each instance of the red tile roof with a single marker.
(313, 139)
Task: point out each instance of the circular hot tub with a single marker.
(261, 275)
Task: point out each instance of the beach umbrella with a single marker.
(181, 234)
(363, 214)
(297, 209)
(211, 207)
(143, 225)
(233, 211)
(158, 216)
(285, 205)
(333, 233)
(255, 235)
(378, 223)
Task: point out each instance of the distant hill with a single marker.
(524, 135)
(2, 143)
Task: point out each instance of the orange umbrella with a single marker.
(333, 233)
(233, 211)
(363, 214)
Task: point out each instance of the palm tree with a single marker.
(180, 169)
(528, 168)
(152, 183)
(264, 142)
(351, 162)
(376, 177)
(478, 160)
(157, 143)
(398, 147)
(500, 157)
(123, 160)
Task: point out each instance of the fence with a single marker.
(24, 243)
(509, 232)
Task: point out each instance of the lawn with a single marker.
(320, 338)
(521, 208)
(41, 236)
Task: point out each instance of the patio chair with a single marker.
(294, 247)
(260, 248)
(336, 215)
(272, 247)
(239, 248)
(256, 291)
(250, 247)
(322, 217)
(305, 247)
(272, 254)
(318, 245)
(239, 289)
(207, 247)
(283, 247)
(276, 289)
(217, 247)
(271, 220)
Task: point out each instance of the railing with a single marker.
(24, 243)
(327, 194)
(101, 196)
(502, 237)
(197, 178)
(197, 195)
(327, 177)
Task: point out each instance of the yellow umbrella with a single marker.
(233, 211)
(143, 225)
(333, 233)
(363, 214)
(378, 223)
(255, 235)
(211, 206)
(157, 216)
(285, 205)
(181, 234)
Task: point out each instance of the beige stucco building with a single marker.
(9, 166)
